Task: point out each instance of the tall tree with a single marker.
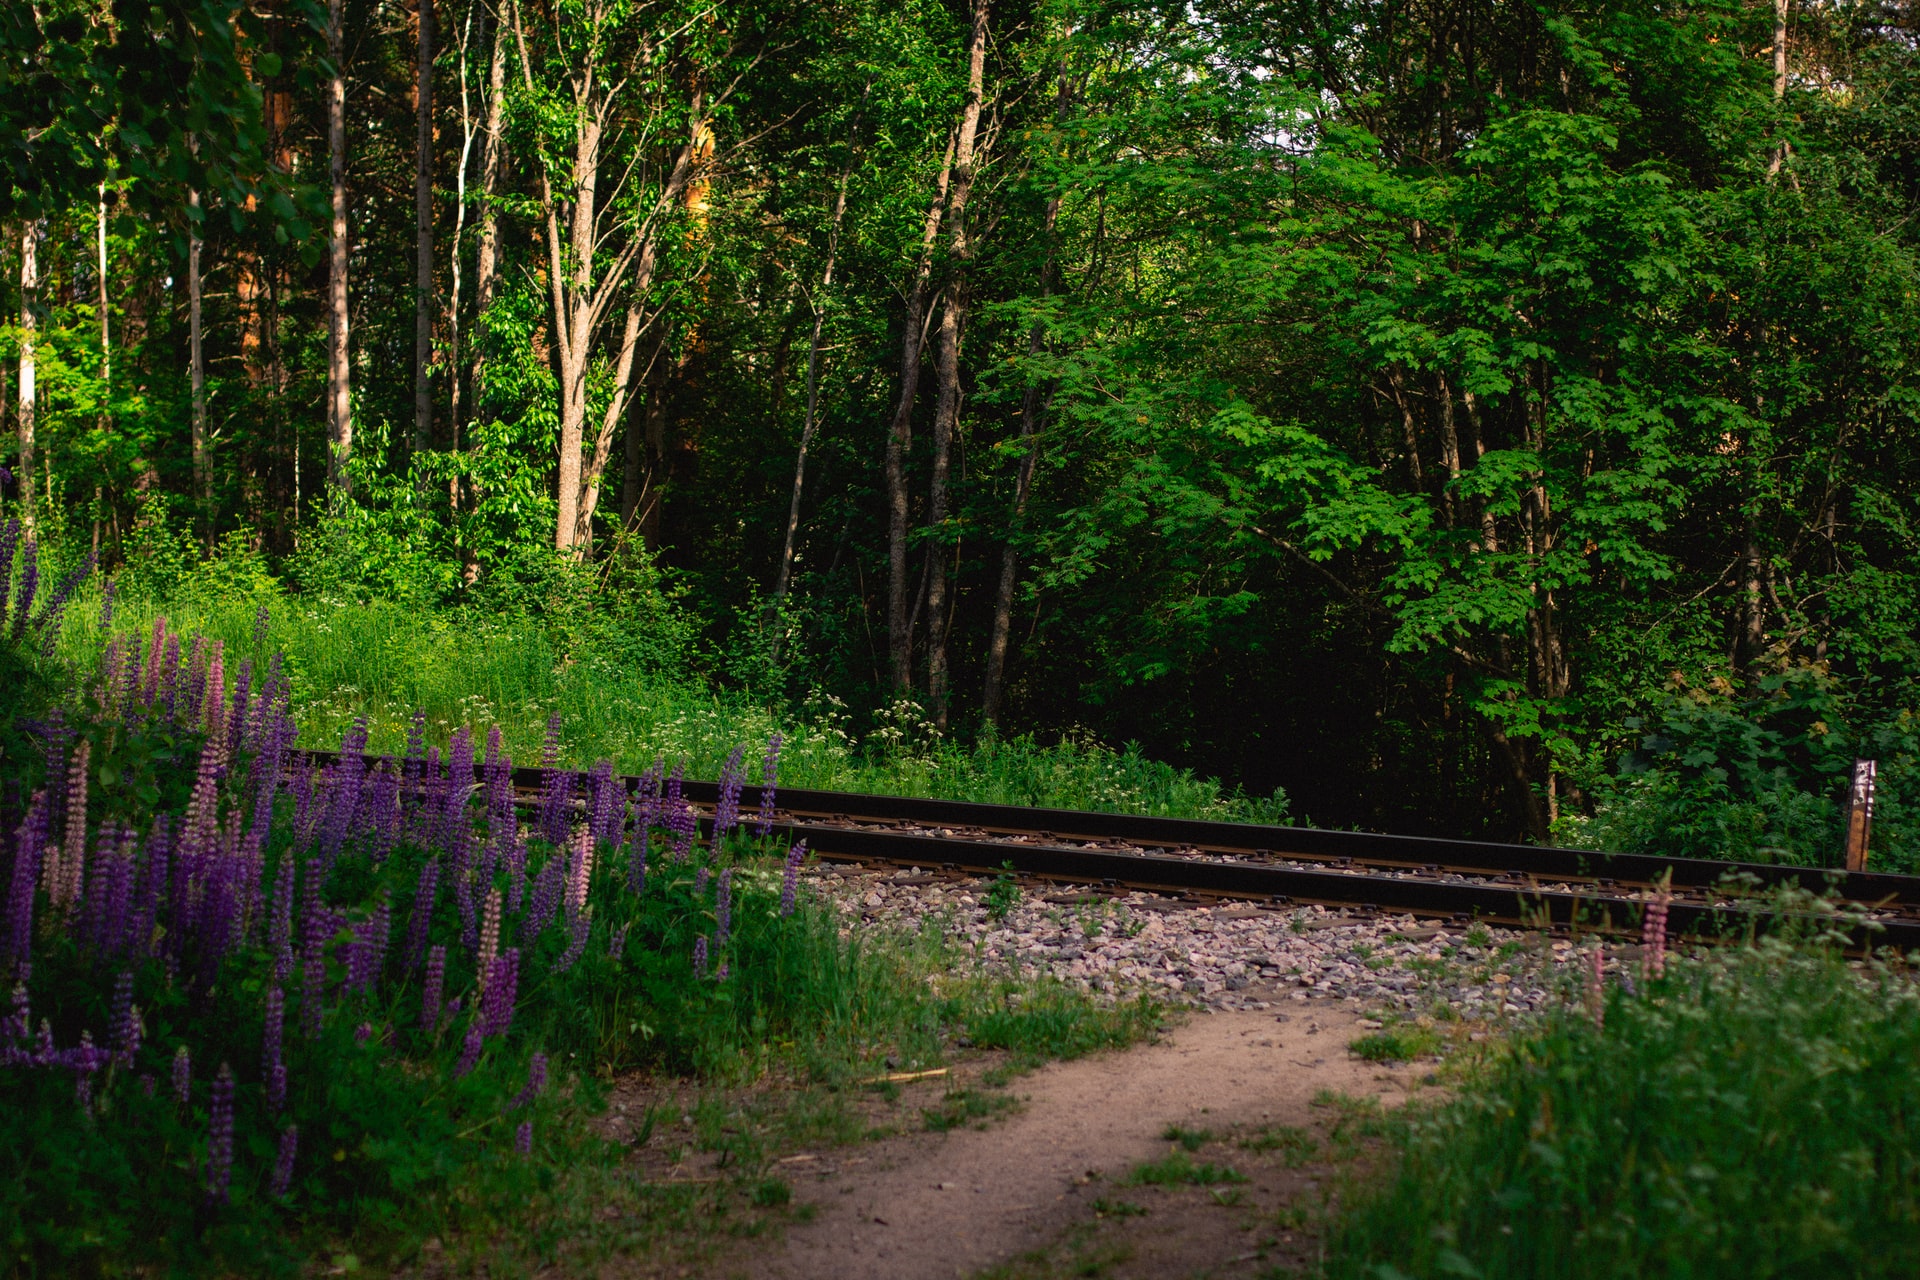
(946, 413)
(423, 296)
(339, 371)
(913, 337)
(197, 377)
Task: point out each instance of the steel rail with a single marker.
(1543, 887)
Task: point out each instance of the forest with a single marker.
(1467, 417)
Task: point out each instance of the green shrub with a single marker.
(1752, 1114)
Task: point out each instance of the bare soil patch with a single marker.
(950, 1204)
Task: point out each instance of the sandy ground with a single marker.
(927, 1206)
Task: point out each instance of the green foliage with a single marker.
(1761, 777)
(1747, 1115)
(1179, 1170)
(1396, 1044)
(1003, 893)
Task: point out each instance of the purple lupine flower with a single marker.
(619, 945)
(56, 607)
(723, 909)
(680, 819)
(536, 1082)
(271, 1066)
(546, 897)
(470, 1051)
(106, 606)
(700, 878)
(374, 935)
(523, 1138)
(603, 796)
(720, 974)
(29, 844)
(769, 776)
(29, 583)
(700, 956)
(170, 680)
(555, 788)
(726, 810)
(113, 900)
(343, 795)
(649, 793)
(421, 920)
(790, 882)
(9, 543)
(262, 621)
(182, 1074)
(431, 989)
(455, 830)
(497, 1002)
(315, 923)
(283, 1159)
(382, 808)
(489, 937)
(280, 924)
(579, 927)
(125, 1020)
(363, 1033)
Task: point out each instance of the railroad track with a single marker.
(1195, 860)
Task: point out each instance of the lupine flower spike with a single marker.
(1653, 936)
(220, 1136)
(769, 775)
(283, 1159)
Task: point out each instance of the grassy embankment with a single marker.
(383, 661)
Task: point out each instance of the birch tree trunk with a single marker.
(106, 344)
(28, 410)
(339, 383)
(582, 298)
(423, 236)
(487, 256)
(946, 414)
(900, 434)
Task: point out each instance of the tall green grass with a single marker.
(383, 661)
(1756, 1114)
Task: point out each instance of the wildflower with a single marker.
(29, 583)
(30, 843)
(430, 989)
(726, 810)
(720, 974)
(497, 1003)
(700, 877)
(536, 1081)
(637, 861)
(580, 927)
(182, 1074)
(523, 1138)
(790, 882)
(723, 909)
(283, 1160)
(619, 945)
(271, 1067)
(262, 620)
(556, 788)
(769, 772)
(470, 1051)
(363, 1033)
(126, 1020)
(580, 873)
(220, 1136)
(106, 606)
(602, 792)
(1653, 936)
(489, 937)
(700, 956)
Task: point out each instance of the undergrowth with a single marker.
(1750, 1114)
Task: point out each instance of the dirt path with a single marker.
(930, 1206)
